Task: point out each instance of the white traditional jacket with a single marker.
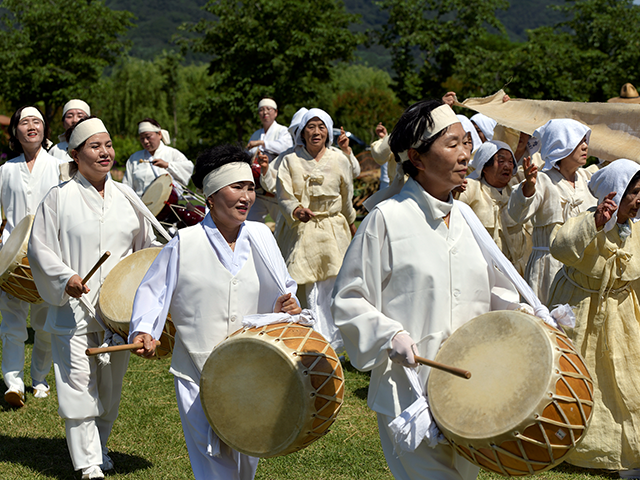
(21, 190)
(406, 271)
(140, 172)
(276, 140)
(73, 227)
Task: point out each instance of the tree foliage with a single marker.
(278, 48)
(53, 50)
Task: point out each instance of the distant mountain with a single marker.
(158, 21)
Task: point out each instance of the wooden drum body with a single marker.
(528, 402)
(272, 390)
(16, 278)
(115, 303)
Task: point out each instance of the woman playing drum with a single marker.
(208, 277)
(156, 158)
(76, 223)
(24, 181)
(412, 275)
(600, 250)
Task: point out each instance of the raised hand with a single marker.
(605, 210)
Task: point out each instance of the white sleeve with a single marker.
(281, 144)
(357, 296)
(153, 297)
(50, 273)
(128, 174)
(355, 165)
(180, 167)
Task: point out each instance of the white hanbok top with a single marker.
(59, 151)
(73, 227)
(155, 296)
(140, 172)
(276, 140)
(405, 270)
(22, 190)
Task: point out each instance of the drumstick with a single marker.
(96, 267)
(445, 368)
(116, 348)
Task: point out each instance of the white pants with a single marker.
(261, 207)
(425, 463)
(88, 395)
(231, 465)
(13, 331)
(318, 300)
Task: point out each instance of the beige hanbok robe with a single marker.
(490, 205)
(554, 202)
(314, 250)
(600, 279)
(381, 153)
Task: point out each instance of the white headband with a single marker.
(267, 102)
(226, 175)
(76, 104)
(150, 127)
(84, 130)
(443, 116)
(29, 112)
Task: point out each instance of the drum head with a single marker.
(157, 194)
(119, 288)
(511, 362)
(15, 249)
(253, 397)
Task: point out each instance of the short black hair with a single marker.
(215, 157)
(152, 121)
(409, 129)
(14, 143)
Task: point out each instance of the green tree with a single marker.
(278, 48)
(51, 51)
(426, 37)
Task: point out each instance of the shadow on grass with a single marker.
(49, 456)
(591, 472)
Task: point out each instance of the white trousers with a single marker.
(13, 331)
(318, 298)
(88, 395)
(425, 463)
(230, 465)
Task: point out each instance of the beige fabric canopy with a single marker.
(615, 126)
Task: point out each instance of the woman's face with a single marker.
(30, 132)
(315, 133)
(150, 141)
(72, 117)
(578, 157)
(230, 205)
(444, 166)
(480, 132)
(500, 173)
(629, 204)
(95, 158)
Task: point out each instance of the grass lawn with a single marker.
(147, 440)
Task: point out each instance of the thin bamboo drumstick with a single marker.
(116, 348)
(103, 259)
(445, 368)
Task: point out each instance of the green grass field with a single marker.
(147, 440)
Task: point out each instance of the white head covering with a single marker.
(558, 138)
(267, 102)
(29, 112)
(226, 175)
(84, 130)
(76, 104)
(295, 121)
(485, 124)
(150, 127)
(469, 128)
(615, 177)
(322, 115)
(485, 153)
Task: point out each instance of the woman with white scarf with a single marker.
(209, 277)
(550, 198)
(487, 193)
(156, 158)
(315, 191)
(600, 250)
(76, 223)
(24, 181)
(412, 275)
